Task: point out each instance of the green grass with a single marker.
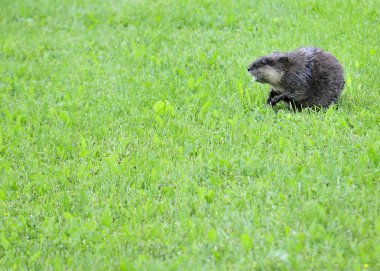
(132, 138)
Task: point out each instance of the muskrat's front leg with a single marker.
(273, 100)
(272, 94)
(295, 106)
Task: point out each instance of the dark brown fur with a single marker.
(306, 77)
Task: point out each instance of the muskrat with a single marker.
(306, 77)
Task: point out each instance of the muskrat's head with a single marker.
(269, 69)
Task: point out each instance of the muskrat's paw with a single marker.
(271, 101)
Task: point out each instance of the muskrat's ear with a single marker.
(284, 59)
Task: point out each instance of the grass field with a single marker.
(132, 138)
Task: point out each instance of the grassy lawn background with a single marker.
(132, 138)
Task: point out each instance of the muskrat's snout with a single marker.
(250, 68)
(252, 72)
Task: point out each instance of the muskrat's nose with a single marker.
(249, 69)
